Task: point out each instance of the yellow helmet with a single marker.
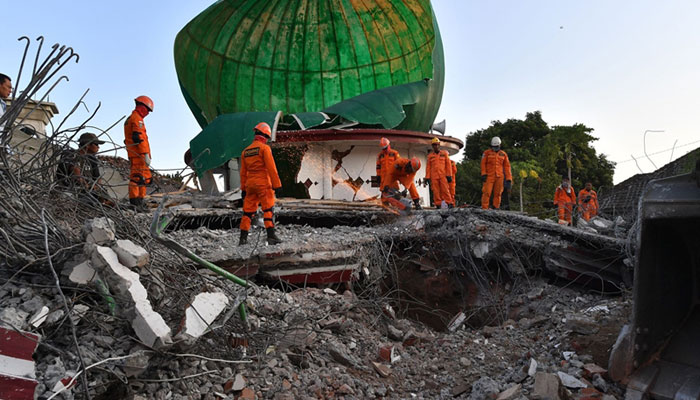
(435, 140)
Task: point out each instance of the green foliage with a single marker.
(533, 145)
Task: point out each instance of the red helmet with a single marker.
(264, 129)
(415, 164)
(384, 142)
(146, 101)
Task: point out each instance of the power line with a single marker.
(660, 151)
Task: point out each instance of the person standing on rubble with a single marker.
(588, 201)
(385, 162)
(495, 174)
(5, 91)
(404, 171)
(259, 180)
(139, 152)
(438, 174)
(453, 184)
(565, 200)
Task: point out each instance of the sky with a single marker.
(620, 67)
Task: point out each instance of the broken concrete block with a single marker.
(82, 274)
(78, 312)
(511, 393)
(17, 376)
(485, 388)
(580, 325)
(570, 381)
(456, 321)
(200, 314)
(381, 369)
(99, 231)
(394, 333)
(548, 386)
(480, 249)
(389, 353)
(137, 363)
(600, 223)
(532, 369)
(130, 254)
(39, 317)
(148, 324)
(235, 384)
(15, 317)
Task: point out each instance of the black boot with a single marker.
(138, 205)
(450, 206)
(243, 239)
(272, 237)
(416, 204)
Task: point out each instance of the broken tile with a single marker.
(82, 274)
(39, 317)
(130, 254)
(570, 381)
(205, 308)
(381, 369)
(548, 387)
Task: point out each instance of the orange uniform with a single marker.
(258, 179)
(453, 185)
(588, 201)
(137, 148)
(385, 165)
(495, 166)
(565, 199)
(399, 174)
(438, 169)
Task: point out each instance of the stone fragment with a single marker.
(532, 369)
(341, 357)
(137, 363)
(480, 249)
(205, 308)
(82, 274)
(381, 369)
(591, 369)
(581, 325)
(600, 383)
(570, 381)
(99, 231)
(456, 321)
(548, 387)
(484, 388)
(247, 394)
(389, 353)
(234, 385)
(130, 254)
(345, 389)
(511, 393)
(78, 312)
(460, 388)
(394, 333)
(329, 291)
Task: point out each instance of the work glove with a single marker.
(147, 159)
(587, 199)
(136, 137)
(427, 181)
(242, 194)
(508, 185)
(483, 178)
(449, 179)
(278, 192)
(404, 193)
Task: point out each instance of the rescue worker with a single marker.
(385, 162)
(138, 151)
(565, 200)
(438, 174)
(259, 180)
(588, 201)
(453, 185)
(404, 171)
(495, 174)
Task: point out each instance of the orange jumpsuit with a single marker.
(385, 163)
(496, 166)
(399, 174)
(258, 179)
(589, 208)
(453, 185)
(438, 169)
(565, 200)
(137, 148)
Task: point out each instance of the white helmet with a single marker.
(496, 141)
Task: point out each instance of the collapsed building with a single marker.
(358, 302)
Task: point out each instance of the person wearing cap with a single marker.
(495, 174)
(259, 180)
(565, 200)
(80, 169)
(404, 171)
(139, 151)
(385, 162)
(438, 174)
(5, 91)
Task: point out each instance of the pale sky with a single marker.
(620, 67)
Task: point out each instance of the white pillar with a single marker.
(327, 172)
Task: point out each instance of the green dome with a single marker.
(308, 55)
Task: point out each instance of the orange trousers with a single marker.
(258, 196)
(441, 191)
(565, 212)
(588, 212)
(139, 178)
(493, 185)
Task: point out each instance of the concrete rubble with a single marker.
(535, 336)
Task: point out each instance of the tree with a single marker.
(532, 145)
